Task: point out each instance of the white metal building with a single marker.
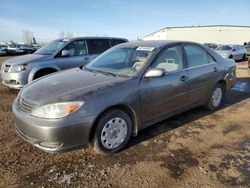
(219, 34)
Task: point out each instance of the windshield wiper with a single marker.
(99, 71)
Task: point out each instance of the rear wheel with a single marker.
(113, 132)
(216, 97)
(244, 57)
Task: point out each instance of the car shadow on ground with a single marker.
(240, 92)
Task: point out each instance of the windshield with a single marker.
(224, 48)
(52, 47)
(121, 61)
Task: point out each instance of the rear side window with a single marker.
(97, 46)
(196, 56)
(116, 41)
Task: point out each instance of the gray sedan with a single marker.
(129, 87)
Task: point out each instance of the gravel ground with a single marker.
(194, 149)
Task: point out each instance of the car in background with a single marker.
(28, 49)
(2, 52)
(235, 52)
(58, 55)
(37, 46)
(14, 50)
(249, 63)
(4, 48)
(248, 49)
(124, 90)
(211, 45)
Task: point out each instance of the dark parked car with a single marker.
(211, 45)
(248, 49)
(28, 49)
(58, 55)
(129, 87)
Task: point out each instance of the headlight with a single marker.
(19, 67)
(57, 110)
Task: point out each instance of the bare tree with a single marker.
(69, 34)
(61, 34)
(27, 36)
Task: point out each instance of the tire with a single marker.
(113, 132)
(244, 57)
(216, 97)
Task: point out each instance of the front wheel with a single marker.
(215, 98)
(113, 132)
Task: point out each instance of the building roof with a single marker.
(198, 26)
(149, 43)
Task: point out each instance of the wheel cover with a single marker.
(114, 133)
(216, 97)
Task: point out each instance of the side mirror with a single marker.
(234, 50)
(155, 72)
(65, 53)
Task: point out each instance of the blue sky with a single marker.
(120, 18)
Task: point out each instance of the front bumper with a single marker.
(14, 80)
(53, 135)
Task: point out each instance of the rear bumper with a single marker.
(14, 80)
(53, 135)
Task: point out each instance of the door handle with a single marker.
(183, 78)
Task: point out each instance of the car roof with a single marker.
(79, 38)
(152, 43)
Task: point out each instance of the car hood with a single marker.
(27, 59)
(69, 85)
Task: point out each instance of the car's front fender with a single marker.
(40, 67)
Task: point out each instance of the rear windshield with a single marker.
(52, 47)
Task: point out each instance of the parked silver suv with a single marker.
(57, 55)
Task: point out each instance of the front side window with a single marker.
(77, 48)
(196, 56)
(97, 46)
(169, 59)
(52, 47)
(121, 61)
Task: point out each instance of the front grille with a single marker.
(25, 105)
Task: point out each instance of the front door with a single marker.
(164, 95)
(78, 55)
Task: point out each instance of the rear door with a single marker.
(78, 55)
(203, 73)
(236, 52)
(165, 95)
